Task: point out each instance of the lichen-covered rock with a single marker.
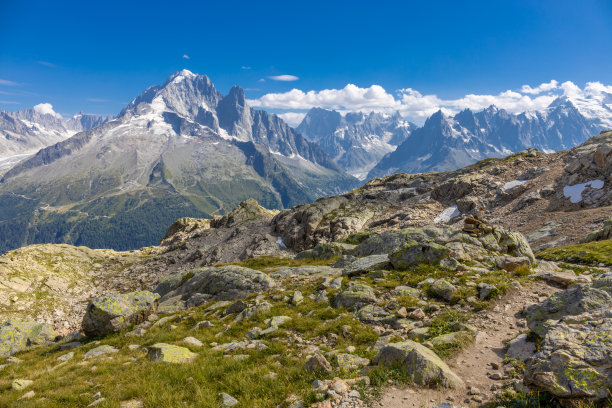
(113, 313)
(455, 339)
(512, 263)
(317, 364)
(168, 353)
(355, 296)
(19, 334)
(325, 251)
(442, 290)
(575, 358)
(605, 232)
(366, 264)
(100, 351)
(419, 363)
(412, 253)
(573, 301)
(349, 362)
(215, 283)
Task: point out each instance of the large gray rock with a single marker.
(214, 283)
(573, 301)
(442, 290)
(575, 358)
(419, 363)
(113, 313)
(19, 334)
(355, 296)
(366, 264)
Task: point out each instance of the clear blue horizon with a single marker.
(96, 57)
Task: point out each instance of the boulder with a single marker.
(573, 301)
(214, 283)
(350, 362)
(442, 290)
(19, 334)
(412, 253)
(317, 363)
(227, 400)
(366, 264)
(100, 351)
(485, 290)
(355, 296)
(113, 313)
(575, 358)
(325, 251)
(419, 363)
(512, 263)
(168, 353)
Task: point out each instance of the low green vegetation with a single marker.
(591, 253)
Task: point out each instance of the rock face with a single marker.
(575, 357)
(113, 313)
(422, 365)
(219, 283)
(19, 334)
(435, 245)
(574, 301)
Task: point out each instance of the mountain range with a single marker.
(356, 141)
(26, 131)
(178, 149)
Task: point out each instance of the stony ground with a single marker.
(481, 365)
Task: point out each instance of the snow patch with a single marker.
(280, 242)
(574, 193)
(448, 214)
(514, 183)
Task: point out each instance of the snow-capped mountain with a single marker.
(178, 149)
(24, 132)
(450, 142)
(356, 141)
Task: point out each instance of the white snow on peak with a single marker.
(574, 193)
(448, 214)
(46, 109)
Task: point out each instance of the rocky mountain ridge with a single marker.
(178, 149)
(26, 131)
(451, 142)
(356, 141)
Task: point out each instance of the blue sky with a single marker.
(97, 56)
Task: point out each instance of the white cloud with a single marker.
(10, 103)
(185, 56)
(97, 100)
(47, 64)
(245, 67)
(46, 109)
(283, 78)
(545, 87)
(417, 107)
(7, 82)
(292, 118)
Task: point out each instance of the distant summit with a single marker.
(356, 141)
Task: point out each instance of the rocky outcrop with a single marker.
(571, 302)
(114, 313)
(575, 357)
(419, 363)
(605, 232)
(19, 334)
(215, 283)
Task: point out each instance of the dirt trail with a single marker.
(496, 326)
